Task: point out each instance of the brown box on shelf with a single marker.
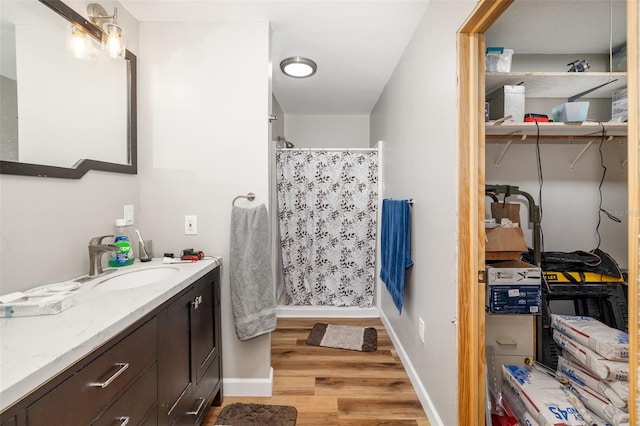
(504, 243)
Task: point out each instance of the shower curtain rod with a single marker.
(330, 149)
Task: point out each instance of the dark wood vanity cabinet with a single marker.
(189, 358)
(163, 370)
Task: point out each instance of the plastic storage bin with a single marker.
(497, 59)
(571, 112)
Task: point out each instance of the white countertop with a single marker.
(35, 349)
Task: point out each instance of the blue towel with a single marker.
(395, 246)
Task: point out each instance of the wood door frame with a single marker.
(471, 175)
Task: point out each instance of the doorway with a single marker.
(471, 182)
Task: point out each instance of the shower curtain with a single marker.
(327, 207)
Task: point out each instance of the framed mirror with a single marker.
(62, 114)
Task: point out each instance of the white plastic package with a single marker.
(542, 395)
(583, 377)
(621, 388)
(595, 363)
(517, 407)
(600, 405)
(609, 342)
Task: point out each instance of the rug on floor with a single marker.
(240, 414)
(364, 339)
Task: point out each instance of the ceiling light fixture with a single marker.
(112, 33)
(298, 67)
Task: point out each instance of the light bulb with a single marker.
(113, 40)
(78, 43)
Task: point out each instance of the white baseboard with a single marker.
(249, 387)
(423, 396)
(326, 312)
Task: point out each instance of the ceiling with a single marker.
(356, 43)
(559, 26)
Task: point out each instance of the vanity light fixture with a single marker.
(298, 67)
(112, 33)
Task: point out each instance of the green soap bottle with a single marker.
(125, 256)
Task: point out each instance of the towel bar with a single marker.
(409, 201)
(250, 196)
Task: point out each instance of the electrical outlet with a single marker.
(190, 224)
(421, 330)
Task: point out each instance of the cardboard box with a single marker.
(513, 272)
(619, 105)
(504, 243)
(514, 299)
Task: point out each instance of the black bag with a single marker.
(596, 261)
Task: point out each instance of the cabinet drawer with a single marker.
(11, 422)
(152, 417)
(510, 334)
(201, 399)
(133, 405)
(93, 387)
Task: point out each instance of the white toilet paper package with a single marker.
(595, 363)
(583, 377)
(609, 342)
(542, 395)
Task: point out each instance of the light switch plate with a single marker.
(190, 225)
(128, 214)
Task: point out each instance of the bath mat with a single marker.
(239, 414)
(364, 339)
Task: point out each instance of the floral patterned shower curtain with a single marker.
(327, 206)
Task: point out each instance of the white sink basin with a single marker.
(135, 279)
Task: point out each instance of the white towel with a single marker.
(252, 294)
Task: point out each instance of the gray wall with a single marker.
(205, 140)
(415, 117)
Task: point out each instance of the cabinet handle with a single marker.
(197, 412)
(196, 302)
(123, 421)
(506, 341)
(123, 366)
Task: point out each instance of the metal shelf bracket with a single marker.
(584, 150)
(505, 149)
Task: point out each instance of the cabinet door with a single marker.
(203, 329)
(188, 353)
(174, 358)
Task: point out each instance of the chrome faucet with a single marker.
(96, 249)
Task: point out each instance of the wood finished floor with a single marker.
(333, 386)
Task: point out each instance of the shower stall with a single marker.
(325, 230)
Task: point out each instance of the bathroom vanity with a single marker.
(144, 355)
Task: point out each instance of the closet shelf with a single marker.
(557, 84)
(553, 131)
